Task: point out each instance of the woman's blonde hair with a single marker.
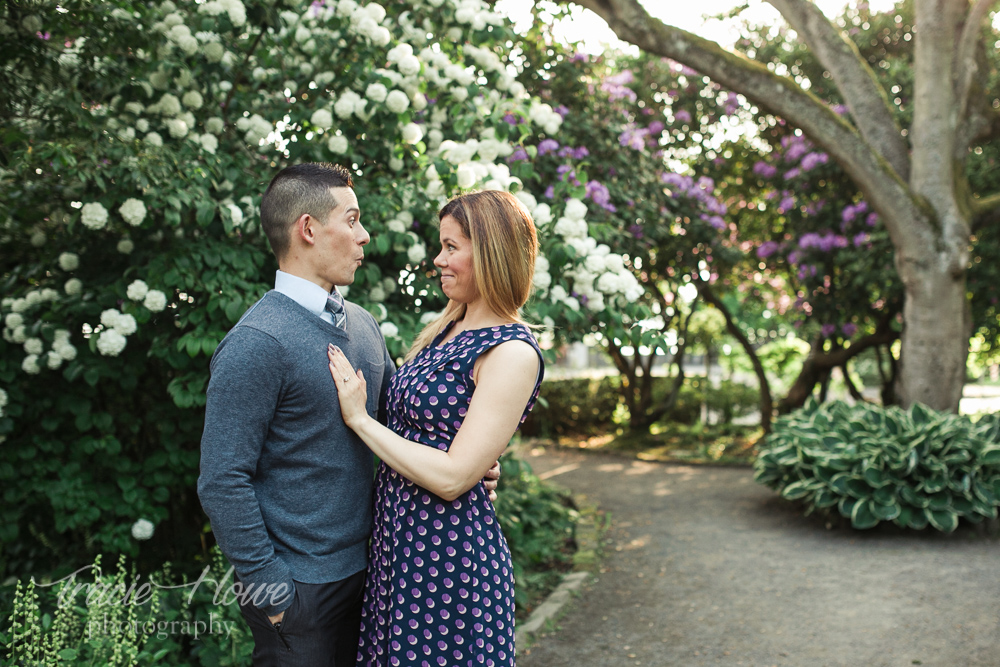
(504, 248)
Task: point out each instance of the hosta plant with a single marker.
(871, 464)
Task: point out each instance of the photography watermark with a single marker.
(161, 629)
(104, 596)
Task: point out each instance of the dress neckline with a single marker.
(437, 343)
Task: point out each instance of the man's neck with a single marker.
(301, 272)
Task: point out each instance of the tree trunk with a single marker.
(766, 402)
(936, 330)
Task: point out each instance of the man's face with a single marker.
(340, 240)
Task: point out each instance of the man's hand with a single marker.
(490, 481)
(276, 619)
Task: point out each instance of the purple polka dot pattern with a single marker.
(440, 586)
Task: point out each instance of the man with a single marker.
(286, 485)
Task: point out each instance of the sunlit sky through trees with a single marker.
(695, 17)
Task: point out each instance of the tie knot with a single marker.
(335, 302)
(335, 306)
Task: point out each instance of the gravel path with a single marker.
(704, 567)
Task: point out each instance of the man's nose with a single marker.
(363, 236)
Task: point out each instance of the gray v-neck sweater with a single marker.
(286, 485)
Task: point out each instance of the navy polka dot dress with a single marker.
(440, 586)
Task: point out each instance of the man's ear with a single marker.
(305, 229)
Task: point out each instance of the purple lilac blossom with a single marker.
(813, 160)
(732, 103)
(600, 195)
(547, 146)
(824, 243)
(715, 221)
(616, 86)
(683, 116)
(633, 138)
(562, 110)
(806, 271)
(828, 330)
(519, 155)
(839, 109)
(872, 219)
(767, 248)
(791, 173)
(636, 231)
(849, 329)
(764, 169)
(578, 57)
(581, 153)
(787, 203)
(550, 192)
(512, 119)
(656, 127)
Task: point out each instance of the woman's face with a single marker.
(455, 261)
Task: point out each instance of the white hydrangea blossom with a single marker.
(412, 133)
(94, 215)
(388, 329)
(110, 343)
(192, 99)
(376, 294)
(209, 143)
(110, 317)
(178, 128)
(322, 118)
(215, 125)
(142, 529)
(397, 101)
(155, 300)
(416, 253)
(376, 92)
(73, 286)
(133, 211)
(153, 139)
(126, 325)
(30, 365)
(69, 261)
(125, 246)
(4, 400)
(337, 144)
(33, 346)
(137, 290)
(14, 320)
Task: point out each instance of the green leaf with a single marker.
(796, 490)
(67, 654)
(990, 456)
(944, 520)
(862, 515)
(886, 512)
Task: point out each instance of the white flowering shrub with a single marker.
(139, 138)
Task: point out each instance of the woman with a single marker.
(440, 587)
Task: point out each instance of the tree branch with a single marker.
(967, 65)
(907, 218)
(985, 211)
(855, 80)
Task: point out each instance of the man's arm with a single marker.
(243, 393)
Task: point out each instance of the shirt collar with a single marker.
(304, 292)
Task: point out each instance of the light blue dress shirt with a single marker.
(304, 292)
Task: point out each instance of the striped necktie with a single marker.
(335, 306)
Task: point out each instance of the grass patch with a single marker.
(717, 444)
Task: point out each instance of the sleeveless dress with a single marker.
(440, 585)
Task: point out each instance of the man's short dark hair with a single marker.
(301, 188)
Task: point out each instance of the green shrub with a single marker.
(586, 406)
(574, 406)
(914, 467)
(99, 618)
(539, 523)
